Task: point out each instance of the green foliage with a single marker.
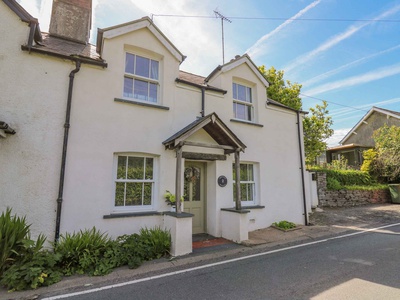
(333, 184)
(316, 125)
(23, 262)
(282, 90)
(14, 233)
(339, 164)
(84, 252)
(349, 177)
(26, 265)
(285, 225)
(170, 198)
(93, 253)
(32, 270)
(386, 163)
(317, 129)
(369, 157)
(157, 242)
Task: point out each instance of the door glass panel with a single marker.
(196, 185)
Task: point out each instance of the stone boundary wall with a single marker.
(347, 198)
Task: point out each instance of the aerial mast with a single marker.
(223, 18)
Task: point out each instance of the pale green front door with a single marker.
(194, 194)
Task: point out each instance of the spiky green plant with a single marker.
(82, 251)
(14, 234)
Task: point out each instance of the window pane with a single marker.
(142, 66)
(119, 194)
(130, 63)
(241, 92)
(248, 95)
(250, 192)
(121, 168)
(149, 168)
(135, 168)
(141, 89)
(250, 176)
(249, 112)
(153, 92)
(196, 186)
(147, 193)
(234, 191)
(133, 193)
(243, 192)
(240, 112)
(154, 70)
(243, 172)
(234, 90)
(128, 87)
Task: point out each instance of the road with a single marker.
(361, 266)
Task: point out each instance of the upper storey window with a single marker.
(141, 79)
(243, 107)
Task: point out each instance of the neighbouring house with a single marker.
(359, 138)
(96, 134)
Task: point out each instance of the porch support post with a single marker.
(178, 179)
(238, 204)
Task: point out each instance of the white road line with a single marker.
(215, 264)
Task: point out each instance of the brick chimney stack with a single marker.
(71, 20)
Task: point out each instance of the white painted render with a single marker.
(102, 127)
(30, 159)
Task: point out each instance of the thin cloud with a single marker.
(346, 66)
(256, 48)
(355, 80)
(336, 40)
(337, 136)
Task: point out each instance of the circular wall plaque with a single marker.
(222, 181)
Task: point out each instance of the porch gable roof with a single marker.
(214, 126)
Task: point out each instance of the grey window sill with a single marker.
(247, 122)
(132, 214)
(157, 106)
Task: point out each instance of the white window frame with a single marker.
(134, 208)
(135, 77)
(253, 182)
(248, 103)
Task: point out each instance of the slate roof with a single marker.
(69, 49)
(198, 81)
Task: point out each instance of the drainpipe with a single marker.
(302, 169)
(65, 145)
(203, 91)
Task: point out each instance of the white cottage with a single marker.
(97, 134)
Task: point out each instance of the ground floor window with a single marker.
(134, 181)
(247, 183)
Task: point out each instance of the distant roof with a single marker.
(196, 80)
(343, 147)
(394, 114)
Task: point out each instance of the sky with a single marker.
(345, 52)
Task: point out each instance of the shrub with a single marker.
(84, 252)
(14, 232)
(157, 242)
(285, 225)
(33, 268)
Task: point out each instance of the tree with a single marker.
(316, 126)
(317, 129)
(280, 90)
(386, 161)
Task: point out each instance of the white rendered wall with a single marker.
(32, 101)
